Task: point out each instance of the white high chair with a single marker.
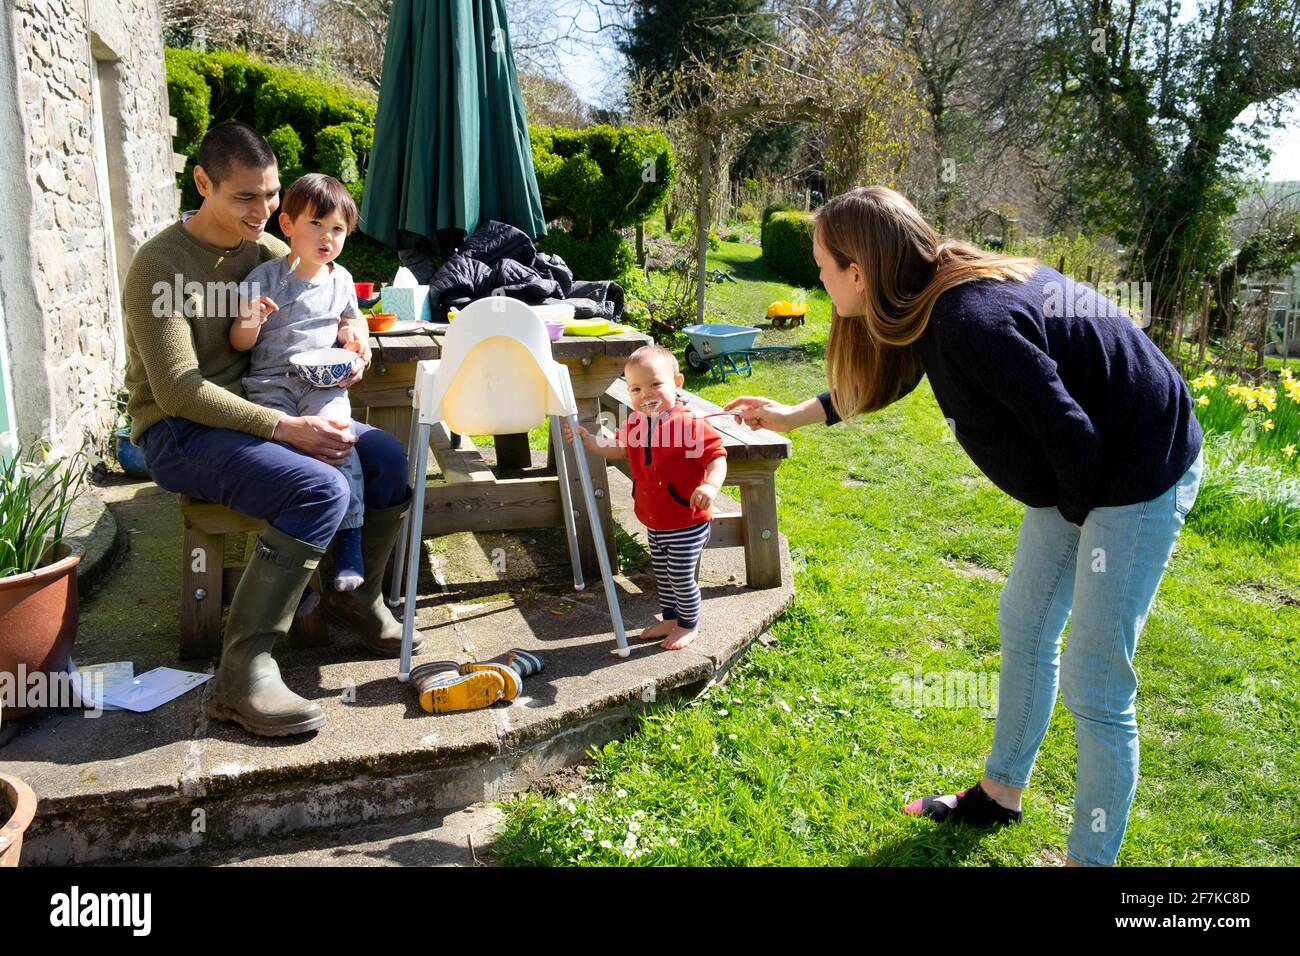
(496, 377)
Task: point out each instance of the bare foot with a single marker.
(679, 637)
(659, 629)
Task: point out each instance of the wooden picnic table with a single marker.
(472, 498)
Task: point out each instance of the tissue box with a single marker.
(406, 302)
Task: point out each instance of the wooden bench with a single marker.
(207, 585)
(752, 459)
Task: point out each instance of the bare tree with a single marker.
(976, 63)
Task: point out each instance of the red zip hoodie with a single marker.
(667, 461)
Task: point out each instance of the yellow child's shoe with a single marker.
(443, 689)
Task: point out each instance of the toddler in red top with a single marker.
(677, 463)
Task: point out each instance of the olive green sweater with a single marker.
(180, 296)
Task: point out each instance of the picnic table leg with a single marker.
(589, 418)
(512, 451)
(758, 528)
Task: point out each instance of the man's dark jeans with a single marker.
(292, 492)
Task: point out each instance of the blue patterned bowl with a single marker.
(324, 368)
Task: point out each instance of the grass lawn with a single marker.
(900, 547)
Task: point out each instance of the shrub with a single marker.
(683, 230)
(604, 256)
(773, 208)
(787, 247)
(330, 128)
(286, 145)
(189, 99)
(334, 155)
(601, 178)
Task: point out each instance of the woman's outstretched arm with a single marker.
(758, 412)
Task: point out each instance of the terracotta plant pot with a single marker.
(381, 321)
(38, 621)
(17, 807)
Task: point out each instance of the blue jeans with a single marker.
(296, 494)
(1103, 577)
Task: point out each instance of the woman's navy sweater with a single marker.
(1056, 395)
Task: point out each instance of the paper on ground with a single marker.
(154, 688)
(89, 685)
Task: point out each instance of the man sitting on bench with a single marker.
(202, 438)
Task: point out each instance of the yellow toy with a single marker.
(783, 311)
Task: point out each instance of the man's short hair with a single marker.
(649, 354)
(319, 195)
(232, 144)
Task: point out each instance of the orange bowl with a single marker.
(381, 321)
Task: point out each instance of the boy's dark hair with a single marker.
(320, 195)
(232, 144)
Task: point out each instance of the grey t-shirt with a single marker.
(308, 317)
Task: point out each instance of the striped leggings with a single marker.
(675, 555)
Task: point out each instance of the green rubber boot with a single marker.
(364, 610)
(247, 688)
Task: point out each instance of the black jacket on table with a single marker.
(499, 259)
(1056, 395)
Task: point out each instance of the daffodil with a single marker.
(1203, 400)
(1268, 425)
(1289, 451)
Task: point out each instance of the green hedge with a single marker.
(601, 178)
(606, 256)
(773, 208)
(287, 146)
(313, 127)
(598, 180)
(787, 247)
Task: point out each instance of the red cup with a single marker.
(365, 290)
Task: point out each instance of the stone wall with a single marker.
(56, 262)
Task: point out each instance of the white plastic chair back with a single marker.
(496, 375)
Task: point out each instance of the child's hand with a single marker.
(702, 498)
(589, 440)
(253, 315)
(352, 339)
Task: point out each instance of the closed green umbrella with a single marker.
(451, 144)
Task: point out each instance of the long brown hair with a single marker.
(905, 266)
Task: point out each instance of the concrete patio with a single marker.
(134, 787)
